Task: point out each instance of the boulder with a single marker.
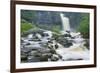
(55, 57)
(33, 59)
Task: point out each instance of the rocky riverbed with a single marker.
(41, 46)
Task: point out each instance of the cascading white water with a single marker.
(74, 52)
(65, 22)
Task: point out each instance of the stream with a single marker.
(36, 48)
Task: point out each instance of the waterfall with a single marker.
(65, 22)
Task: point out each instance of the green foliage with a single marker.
(44, 26)
(84, 25)
(25, 26)
(56, 29)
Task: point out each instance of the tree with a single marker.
(84, 25)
